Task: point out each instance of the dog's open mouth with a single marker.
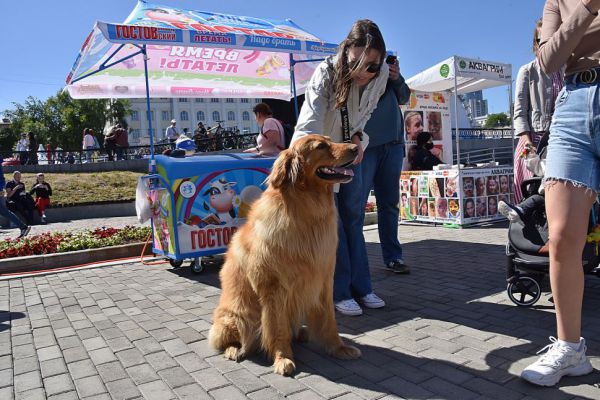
(339, 173)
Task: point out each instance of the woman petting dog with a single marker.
(350, 84)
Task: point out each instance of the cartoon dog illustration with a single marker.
(221, 199)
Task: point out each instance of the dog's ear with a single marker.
(287, 170)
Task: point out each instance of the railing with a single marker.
(482, 133)
(76, 156)
(503, 155)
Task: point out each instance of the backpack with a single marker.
(288, 133)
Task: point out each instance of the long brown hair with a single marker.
(536, 36)
(364, 33)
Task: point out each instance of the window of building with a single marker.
(135, 116)
(257, 100)
(230, 116)
(229, 100)
(166, 115)
(216, 116)
(246, 116)
(135, 134)
(199, 100)
(183, 100)
(151, 115)
(200, 115)
(184, 116)
(214, 100)
(244, 100)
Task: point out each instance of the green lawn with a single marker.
(77, 188)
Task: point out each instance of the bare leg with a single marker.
(567, 208)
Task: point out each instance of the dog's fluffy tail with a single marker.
(224, 331)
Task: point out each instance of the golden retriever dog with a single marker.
(277, 280)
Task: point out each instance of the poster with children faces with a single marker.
(428, 112)
(482, 190)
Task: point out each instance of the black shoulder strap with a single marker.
(343, 112)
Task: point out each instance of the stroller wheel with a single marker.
(175, 263)
(524, 291)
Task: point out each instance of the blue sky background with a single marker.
(40, 39)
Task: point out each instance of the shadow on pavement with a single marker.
(6, 317)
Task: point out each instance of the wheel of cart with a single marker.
(175, 263)
(524, 290)
(197, 266)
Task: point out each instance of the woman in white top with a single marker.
(354, 78)
(88, 144)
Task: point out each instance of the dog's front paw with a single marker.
(346, 352)
(234, 353)
(283, 366)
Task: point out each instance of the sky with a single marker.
(40, 39)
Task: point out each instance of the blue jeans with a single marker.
(88, 153)
(352, 277)
(381, 168)
(6, 213)
(574, 145)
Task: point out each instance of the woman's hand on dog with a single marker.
(359, 156)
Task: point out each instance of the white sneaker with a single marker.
(348, 307)
(513, 213)
(372, 301)
(560, 360)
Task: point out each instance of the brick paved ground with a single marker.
(135, 331)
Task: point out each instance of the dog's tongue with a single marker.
(343, 171)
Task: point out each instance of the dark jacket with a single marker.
(41, 191)
(424, 160)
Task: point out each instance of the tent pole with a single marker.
(512, 123)
(456, 115)
(293, 79)
(152, 160)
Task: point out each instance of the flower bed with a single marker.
(60, 242)
(370, 207)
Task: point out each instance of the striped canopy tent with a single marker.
(160, 51)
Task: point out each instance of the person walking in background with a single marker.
(49, 154)
(22, 148)
(110, 143)
(88, 144)
(172, 133)
(382, 165)
(536, 93)
(121, 142)
(349, 84)
(32, 148)
(5, 212)
(570, 35)
(43, 191)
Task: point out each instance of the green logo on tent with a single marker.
(462, 64)
(444, 70)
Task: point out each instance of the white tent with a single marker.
(460, 75)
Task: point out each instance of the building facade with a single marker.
(475, 105)
(234, 113)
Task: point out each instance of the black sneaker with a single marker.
(24, 232)
(398, 267)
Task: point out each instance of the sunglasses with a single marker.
(371, 68)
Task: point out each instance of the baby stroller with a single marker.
(528, 261)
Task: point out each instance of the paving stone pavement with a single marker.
(133, 331)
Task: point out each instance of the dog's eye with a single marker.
(322, 146)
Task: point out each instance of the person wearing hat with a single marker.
(5, 212)
(172, 133)
(424, 159)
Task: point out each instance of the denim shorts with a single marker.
(574, 147)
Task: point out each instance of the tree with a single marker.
(497, 121)
(60, 120)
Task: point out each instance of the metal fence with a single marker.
(470, 133)
(78, 156)
(503, 155)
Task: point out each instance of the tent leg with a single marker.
(293, 80)
(456, 117)
(148, 114)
